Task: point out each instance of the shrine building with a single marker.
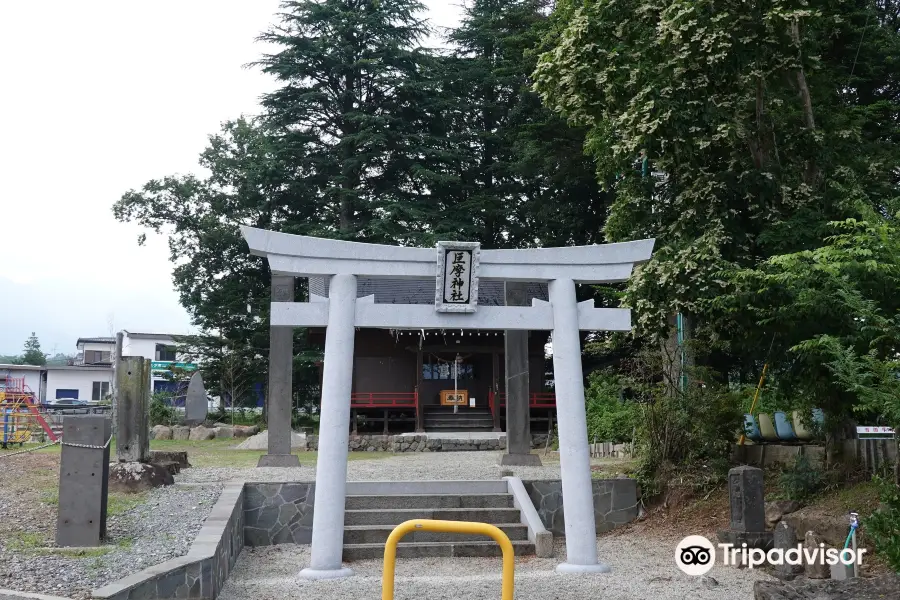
(404, 379)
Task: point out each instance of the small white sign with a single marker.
(471, 402)
(457, 277)
(870, 430)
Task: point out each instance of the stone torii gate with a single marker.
(457, 268)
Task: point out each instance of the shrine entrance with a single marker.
(457, 268)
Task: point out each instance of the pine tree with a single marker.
(32, 354)
(346, 113)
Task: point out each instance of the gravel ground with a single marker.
(160, 528)
(400, 467)
(643, 568)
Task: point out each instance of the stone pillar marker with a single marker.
(748, 503)
(132, 409)
(281, 367)
(518, 412)
(747, 524)
(83, 481)
(334, 433)
(574, 455)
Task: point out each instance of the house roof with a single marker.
(8, 367)
(151, 336)
(96, 340)
(78, 367)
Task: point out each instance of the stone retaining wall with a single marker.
(278, 513)
(615, 503)
(282, 513)
(203, 571)
(422, 443)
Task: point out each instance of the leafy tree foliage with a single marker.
(759, 122)
(32, 354)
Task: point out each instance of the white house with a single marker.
(82, 382)
(91, 375)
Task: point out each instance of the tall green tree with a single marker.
(347, 113)
(517, 174)
(734, 132)
(32, 354)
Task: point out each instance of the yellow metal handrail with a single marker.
(390, 549)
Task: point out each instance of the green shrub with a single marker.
(883, 526)
(609, 419)
(801, 480)
(160, 412)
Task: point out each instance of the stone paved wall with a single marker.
(203, 571)
(278, 513)
(615, 503)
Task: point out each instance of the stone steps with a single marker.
(374, 510)
(435, 549)
(367, 534)
(432, 501)
(442, 418)
(399, 515)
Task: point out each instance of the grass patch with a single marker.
(125, 543)
(118, 504)
(50, 496)
(25, 541)
(79, 552)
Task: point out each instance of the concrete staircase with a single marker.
(370, 518)
(440, 419)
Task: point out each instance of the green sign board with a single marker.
(164, 365)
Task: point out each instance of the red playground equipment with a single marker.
(19, 414)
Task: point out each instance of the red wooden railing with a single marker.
(384, 399)
(535, 400)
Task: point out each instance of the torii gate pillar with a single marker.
(574, 455)
(456, 272)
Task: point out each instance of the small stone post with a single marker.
(518, 411)
(83, 481)
(133, 413)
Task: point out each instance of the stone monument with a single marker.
(196, 404)
(746, 494)
(132, 409)
(133, 470)
(456, 268)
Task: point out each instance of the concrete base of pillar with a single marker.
(315, 574)
(570, 568)
(278, 460)
(521, 460)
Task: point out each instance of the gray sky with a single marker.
(98, 97)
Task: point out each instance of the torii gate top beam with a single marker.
(302, 256)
